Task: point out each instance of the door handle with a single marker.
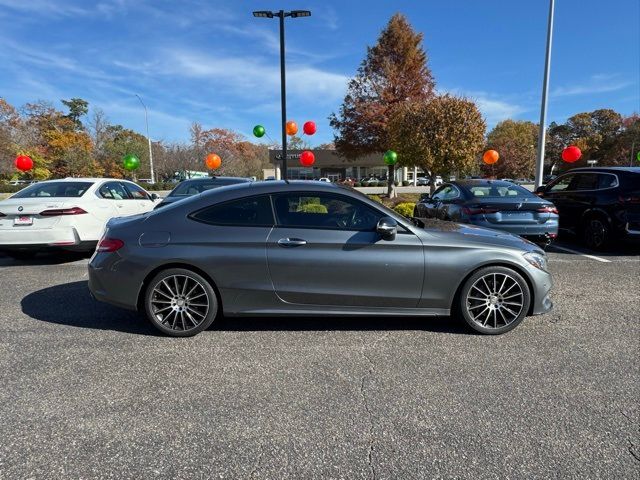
(291, 242)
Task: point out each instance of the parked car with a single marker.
(492, 204)
(68, 214)
(219, 253)
(371, 181)
(324, 179)
(423, 181)
(438, 180)
(598, 204)
(195, 186)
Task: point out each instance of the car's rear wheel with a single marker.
(595, 233)
(180, 302)
(494, 300)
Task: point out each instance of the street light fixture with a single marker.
(281, 14)
(146, 121)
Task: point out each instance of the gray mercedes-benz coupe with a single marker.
(310, 248)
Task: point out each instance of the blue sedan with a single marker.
(492, 204)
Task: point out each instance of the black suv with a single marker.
(598, 203)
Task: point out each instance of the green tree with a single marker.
(78, 108)
(516, 142)
(118, 142)
(394, 72)
(442, 135)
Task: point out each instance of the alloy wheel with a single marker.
(179, 302)
(595, 233)
(495, 300)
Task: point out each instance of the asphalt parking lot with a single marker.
(91, 391)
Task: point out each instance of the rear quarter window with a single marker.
(246, 212)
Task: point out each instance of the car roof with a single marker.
(472, 182)
(207, 179)
(605, 169)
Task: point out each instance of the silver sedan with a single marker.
(308, 248)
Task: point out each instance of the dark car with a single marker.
(492, 204)
(598, 204)
(195, 186)
(312, 248)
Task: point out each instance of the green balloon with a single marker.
(259, 131)
(390, 157)
(130, 162)
(638, 156)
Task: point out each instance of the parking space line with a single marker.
(592, 257)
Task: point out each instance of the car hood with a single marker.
(458, 232)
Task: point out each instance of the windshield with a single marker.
(193, 187)
(498, 191)
(54, 190)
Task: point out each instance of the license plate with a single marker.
(23, 220)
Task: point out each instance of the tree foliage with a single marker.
(441, 135)
(516, 142)
(394, 72)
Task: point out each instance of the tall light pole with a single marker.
(281, 14)
(146, 121)
(543, 108)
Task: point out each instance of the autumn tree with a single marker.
(394, 72)
(516, 142)
(118, 142)
(78, 108)
(442, 135)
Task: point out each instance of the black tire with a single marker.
(22, 254)
(596, 232)
(184, 314)
(499, 313)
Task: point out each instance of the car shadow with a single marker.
(616, 248)
(71, 304)
(48, 258)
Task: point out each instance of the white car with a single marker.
(70, 213)
(324, 179)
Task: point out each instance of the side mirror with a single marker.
(154, 197)
(387, 228)
(540, 190)
(425, 196)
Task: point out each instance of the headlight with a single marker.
(536, 259)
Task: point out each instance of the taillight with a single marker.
(109, 245)
(548, 209)
(62, 211)
(479, 210)
(629, 199)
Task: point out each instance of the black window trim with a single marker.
(191, 216)
(126, 183)
(99, 195)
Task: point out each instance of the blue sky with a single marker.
(212, 62)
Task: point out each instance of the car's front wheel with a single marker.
(180, 302)
(494, 300)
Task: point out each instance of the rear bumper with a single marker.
(550, 227)
(19, 238)
(112, 280)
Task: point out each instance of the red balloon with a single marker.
(490, 157)
(307, 158)
(571, 154)
(24, 163)
(213, 161)
(309, 128)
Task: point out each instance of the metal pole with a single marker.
(543, 108)
(146, 121)
(283, 90)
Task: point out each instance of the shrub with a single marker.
(396, 183)
(376, 198)
(405, 209)
(312, 208)
(7, 188)
(382, 184)
(406, 183)
(357, 184)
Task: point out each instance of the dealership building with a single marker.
(331, 165)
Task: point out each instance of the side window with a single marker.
(446, 192)
(136, 192)
(321, 210)
(561, 183)
(113, 191)
(246, 212)
(584, 181)
(606, 180)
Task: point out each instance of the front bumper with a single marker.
(541, 283)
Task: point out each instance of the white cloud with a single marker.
(599, 83)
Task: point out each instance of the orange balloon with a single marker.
(291, 127)
(213, 161)
(490, 157)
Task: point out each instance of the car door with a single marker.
(580, 195)
(557, 192)
(139, 198)
(324, 250)
(115, 199)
